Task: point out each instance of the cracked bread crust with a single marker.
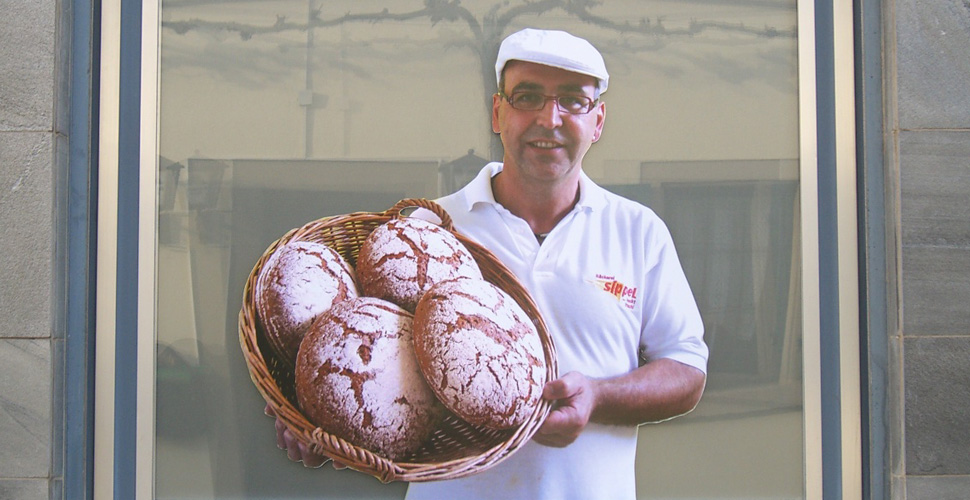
(357, 378)
(403, 258)
(480, 352)
(300, 281)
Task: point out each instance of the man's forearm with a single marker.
(659, 390)
(656, 391)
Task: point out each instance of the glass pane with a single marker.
(266, 124)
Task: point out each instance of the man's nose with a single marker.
(550, 116)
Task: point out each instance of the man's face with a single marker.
(547, 144)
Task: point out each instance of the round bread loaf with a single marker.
(401, 259)
(300, 281)
(357, 378)
(480, 352)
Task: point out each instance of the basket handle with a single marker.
(437, 209)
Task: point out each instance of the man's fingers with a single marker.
(280, 430)
(311, 459)
(299, 452)
(292, 446)
(570, 412)
(553, 437)
(554, 390)
(553, 442)
(555, 421)
(562, 388)
(552, 429)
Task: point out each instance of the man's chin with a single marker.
(548, 159)
(549, 171)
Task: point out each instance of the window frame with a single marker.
(126, 233)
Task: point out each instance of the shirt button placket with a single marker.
(544, 259)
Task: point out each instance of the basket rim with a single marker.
(320, 441)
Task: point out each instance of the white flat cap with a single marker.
(553, 48)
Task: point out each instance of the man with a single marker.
(602, 270)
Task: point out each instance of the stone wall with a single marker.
(929, 131)
(29, 137)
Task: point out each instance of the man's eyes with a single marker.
(572, 102)
(528, 98)
(532, 101)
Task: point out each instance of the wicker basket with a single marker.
(456, 448)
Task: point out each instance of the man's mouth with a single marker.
(545, 144)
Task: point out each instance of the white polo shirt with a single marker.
(611, 289)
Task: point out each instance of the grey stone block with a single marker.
(937, 405)
(934, 182)
(936, 284)
(23, 489)
(25, 407)
(937, 487)
(27, 65)
(933, 63)
(26, 209)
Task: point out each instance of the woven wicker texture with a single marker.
(456, 448)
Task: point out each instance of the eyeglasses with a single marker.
(534, 101)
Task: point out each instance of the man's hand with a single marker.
(295, 450)
(573, 399)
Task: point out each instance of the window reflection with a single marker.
(275, 113)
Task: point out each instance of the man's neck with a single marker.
(542, 205)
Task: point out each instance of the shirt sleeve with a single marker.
(671, 325)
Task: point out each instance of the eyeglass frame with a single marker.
(545, 98)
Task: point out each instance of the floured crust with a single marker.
(300, 281)
(357, 378)
(403, 258)
(480, 352)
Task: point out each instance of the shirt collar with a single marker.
(479, 190)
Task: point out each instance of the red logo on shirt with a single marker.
(623, 293)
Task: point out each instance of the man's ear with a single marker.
(496, 102)
(600, 120)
